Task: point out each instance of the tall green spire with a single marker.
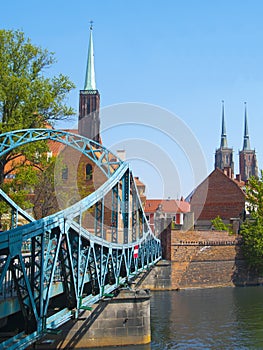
(223, 133)
(90, 82)
(246, 144)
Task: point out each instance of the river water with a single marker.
(219, 318)
(216, 318)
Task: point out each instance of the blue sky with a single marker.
(184, 57)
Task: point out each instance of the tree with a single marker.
(44, 199)
(219, 225)
(28, 99)
(252, 228)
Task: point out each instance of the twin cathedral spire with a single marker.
(247, 157)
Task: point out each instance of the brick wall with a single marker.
(202, 259)
(208, 259)
(166, 242)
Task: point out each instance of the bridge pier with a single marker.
(122, 320)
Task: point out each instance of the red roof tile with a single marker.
(168, 206)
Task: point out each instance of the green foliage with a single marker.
(28, 99)
(254, 196)
(252, 233)
(252, 228)
(219, 225)
(19, 187)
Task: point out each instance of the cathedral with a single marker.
(247, 157)
(222, 193)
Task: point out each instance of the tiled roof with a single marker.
(168, 205)
(55, 147)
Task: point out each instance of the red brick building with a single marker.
(218, 195)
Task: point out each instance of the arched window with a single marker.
(88, 172)
(65, 173)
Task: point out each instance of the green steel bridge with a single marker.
(53, 268)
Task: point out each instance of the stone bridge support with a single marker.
(122, 320)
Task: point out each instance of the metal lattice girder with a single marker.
(112, 273)
(115, 213)
(94, 270)
(99, 219)
(126, 205)
(134, 211)
(141, 222)
(24, 293)
(51, 259)
(83, 276)
(36, 275)
(68, 281)
(116, 261)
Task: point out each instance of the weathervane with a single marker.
(91, 25)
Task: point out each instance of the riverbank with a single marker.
(201, 259)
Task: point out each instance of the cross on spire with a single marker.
(223, 133)
(90, 82)
(246, 144)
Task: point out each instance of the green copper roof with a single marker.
(246, 144)
(90, 82)
(223, 133)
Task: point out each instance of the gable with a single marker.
(217, 195)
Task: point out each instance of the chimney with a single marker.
(238, 177)
(121, 153)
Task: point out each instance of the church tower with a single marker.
(89, 100)
(224, 155)
(247, 157)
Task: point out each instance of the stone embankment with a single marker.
(122, 320)
(200, 259)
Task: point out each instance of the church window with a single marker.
(88, 172)
(65, 173)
